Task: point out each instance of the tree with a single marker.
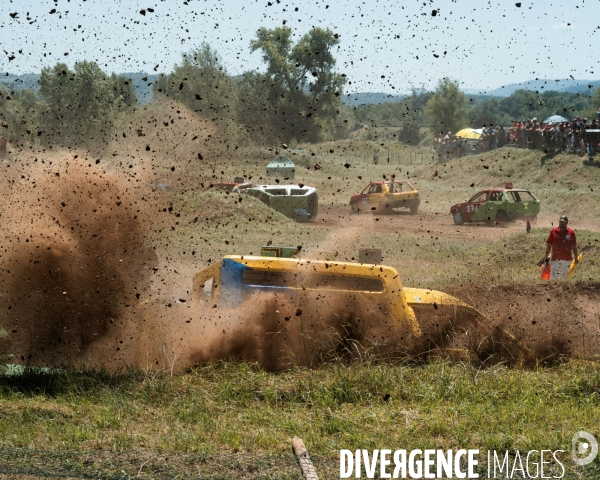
(18, 115)
(254, 108)
(123, 92)
(201, 83)
(304, 91)
(447, 108)
(343, 123)
(81, 104)
(413, 117)
(418, 101)
(486, 113)
(596, 99)
(411, 130)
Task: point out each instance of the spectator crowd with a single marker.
(562, 136)
(452, 146)
(558, 136)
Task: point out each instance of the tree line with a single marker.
(297, 98)
(70, 107)
(525, 104)
(448, 109)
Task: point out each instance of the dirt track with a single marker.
(551, 320)
(338, 218)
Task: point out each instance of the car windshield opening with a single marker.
(480, 197)
(279, 191)
(269, 278)
(526, 197)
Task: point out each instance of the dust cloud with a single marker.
(554, 320)
(78, 284)
(73, 259)
(301, 328)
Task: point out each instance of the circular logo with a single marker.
(585, 448)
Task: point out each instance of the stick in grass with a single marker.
(301, 453)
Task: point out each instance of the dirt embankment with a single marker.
(556, 319)
(76, 267)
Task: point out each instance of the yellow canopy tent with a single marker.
(469, 133)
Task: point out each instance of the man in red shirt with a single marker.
(561, 241)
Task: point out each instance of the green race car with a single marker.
(497, 205)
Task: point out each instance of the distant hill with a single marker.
(18, 82)
(541, 85)
(584, 88)
(369, 98)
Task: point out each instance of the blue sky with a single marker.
(386, 46)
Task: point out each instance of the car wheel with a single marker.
(501, 218)
(354, 208)
(458, 218)
(387, 210)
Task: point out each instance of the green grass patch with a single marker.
(224, 410)
(431, 261)
(208, 225)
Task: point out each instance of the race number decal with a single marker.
(471, 208)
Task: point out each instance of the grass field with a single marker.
(228, 411)
(229, 420)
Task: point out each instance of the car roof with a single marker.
(307, 189)
(500, 189)
(388, 182)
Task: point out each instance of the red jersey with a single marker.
(562, 243)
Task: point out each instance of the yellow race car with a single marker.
(384, 197)
(286, 312)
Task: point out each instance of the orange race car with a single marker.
(384, 197)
